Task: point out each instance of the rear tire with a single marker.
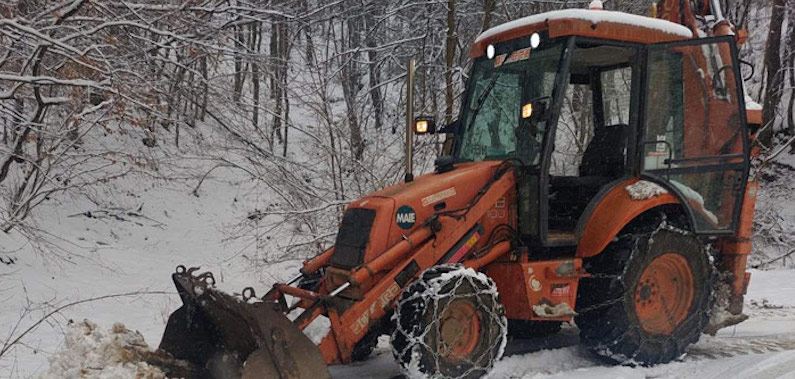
(649, 295)
(449, 324)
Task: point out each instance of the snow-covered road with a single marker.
(761, 347)
(141, 253)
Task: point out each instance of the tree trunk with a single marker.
(775, 75)
(276, 82)
(351, 84)
(789, 63)
(255, 46)
(488, 9)
(284, 56)
(205, 89)
(449, 58)
(239, 74)
(375, 81)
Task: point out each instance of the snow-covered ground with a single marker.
(113, 257)
(761, 347)
(135, 253)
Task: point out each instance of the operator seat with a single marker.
(604, 155)
(602, 162)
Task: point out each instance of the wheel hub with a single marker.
(664, 294)
(459, 329)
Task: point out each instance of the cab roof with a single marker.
(617, 26)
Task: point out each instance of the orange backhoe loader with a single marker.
(598, 173)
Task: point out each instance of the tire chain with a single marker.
(433, 291)
(664, 225)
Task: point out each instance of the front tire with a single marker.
(649, 295)
(449, 324)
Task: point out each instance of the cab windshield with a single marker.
(492, 126)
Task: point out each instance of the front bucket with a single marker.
(221, 336)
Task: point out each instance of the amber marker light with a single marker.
(421, 126)
(527, 110)
(424, 125)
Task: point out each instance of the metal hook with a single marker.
(248, 293)
(208, 278)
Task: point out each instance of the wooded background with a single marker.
(305, 98)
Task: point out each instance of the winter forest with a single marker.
(137, 135)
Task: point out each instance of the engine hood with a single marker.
(377, 221)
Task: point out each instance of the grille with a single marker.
(352, 238)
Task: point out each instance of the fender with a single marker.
(609, 212)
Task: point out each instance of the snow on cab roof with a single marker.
(594, 16)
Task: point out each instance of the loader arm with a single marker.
(423, 248)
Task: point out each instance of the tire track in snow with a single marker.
(768, 330)
(730, 347)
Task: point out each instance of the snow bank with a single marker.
(775, 287)
(95, 354)
(594, 17)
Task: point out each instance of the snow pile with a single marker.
(644, 189)
(93, 353)
(594, 17)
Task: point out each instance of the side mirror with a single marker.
(452, 127)
(535, 110)
(424, 125)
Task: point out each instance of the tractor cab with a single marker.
(583, 100)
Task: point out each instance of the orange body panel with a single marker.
(542, 283)
(735, 250)
(753, 117)
(615, 211)
(455, 189)
(426, 195)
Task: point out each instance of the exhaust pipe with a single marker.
(410, 121)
